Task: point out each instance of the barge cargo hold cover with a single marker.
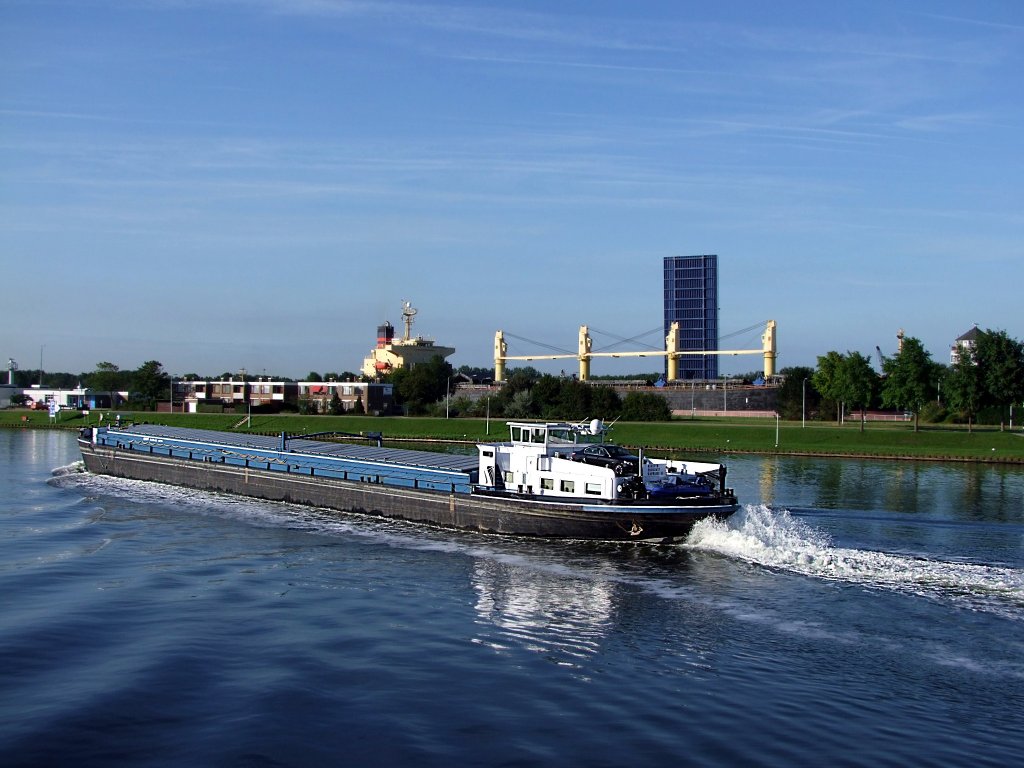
(304, 456)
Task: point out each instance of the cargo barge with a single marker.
(555, 480)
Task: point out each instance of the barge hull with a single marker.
(447, 509)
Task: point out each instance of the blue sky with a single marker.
(219, 184)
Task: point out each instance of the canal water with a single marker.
(854, 613)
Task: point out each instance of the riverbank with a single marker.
(714, 436)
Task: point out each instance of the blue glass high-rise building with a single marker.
(691, 299)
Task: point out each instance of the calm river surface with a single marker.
(855, 613)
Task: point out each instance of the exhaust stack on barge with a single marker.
(553, 480)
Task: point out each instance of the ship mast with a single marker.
(408, 312)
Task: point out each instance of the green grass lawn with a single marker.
(710, 436)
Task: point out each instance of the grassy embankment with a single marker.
(706, 436)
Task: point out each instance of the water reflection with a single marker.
(39, 447)
(934, 489)
(559, 613)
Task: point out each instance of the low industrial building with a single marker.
(80, 398)
(353, 397)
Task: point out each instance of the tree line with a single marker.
(985, 382)
(527, 394)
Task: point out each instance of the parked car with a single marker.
(614, 456)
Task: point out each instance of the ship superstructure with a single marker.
(391, 354)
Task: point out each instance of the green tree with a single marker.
(106, 378)
(336, 408)
(313, 376)
(858, 382)
(909, 379)
(518, 380)
(422, 384)
(795, 399)
(520, 406)
(573, 402)
(828, 380)
(1000, 360)
(963, 386)
(606, 404)
(62, 380)
(546, 395)
(645, 406)
(150, 381)
(477, 373)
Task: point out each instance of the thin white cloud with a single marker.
(937, 123)
(987, 23)
(53, 115)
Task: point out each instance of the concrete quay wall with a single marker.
(703, 400)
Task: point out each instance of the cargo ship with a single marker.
(553, 479)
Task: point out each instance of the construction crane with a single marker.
(671, 351)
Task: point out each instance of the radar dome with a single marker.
(596, 426)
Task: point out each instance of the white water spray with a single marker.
(776, 539)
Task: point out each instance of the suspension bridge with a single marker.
(585, 353)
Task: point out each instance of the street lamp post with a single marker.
(803, 407)
(447, 394)
(776, 429)
(248, 399)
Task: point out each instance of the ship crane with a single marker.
(671, 351)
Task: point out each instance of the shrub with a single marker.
(644, 406)
(933, 413)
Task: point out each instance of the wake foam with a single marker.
(776, 539)
(74, 468)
